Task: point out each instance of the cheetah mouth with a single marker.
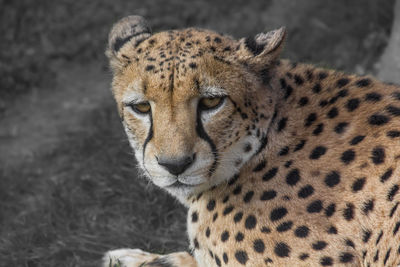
(179, 185)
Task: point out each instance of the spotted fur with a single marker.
(299, 166)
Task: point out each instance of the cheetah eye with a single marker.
(141, 108)
(209, 103)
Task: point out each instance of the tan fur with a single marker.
(274, 100)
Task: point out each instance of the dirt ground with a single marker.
(69, 190)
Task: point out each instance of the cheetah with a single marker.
(278, 163)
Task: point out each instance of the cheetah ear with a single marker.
(263, 47)
(124, 37)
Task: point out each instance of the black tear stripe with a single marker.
(149, 136)
(203, 135)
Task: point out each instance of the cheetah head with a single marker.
(196, 105)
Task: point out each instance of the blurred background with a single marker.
(68, 186)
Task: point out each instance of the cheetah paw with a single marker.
(128, 258)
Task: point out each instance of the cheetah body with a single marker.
(300, 164)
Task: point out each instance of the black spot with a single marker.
(300, 145)
(356, 140)
(350, 243)
(310, 119)
(322, 75)
(249, 195)
(318, 130)
(378, 119)
(241, 257)
(196, 243)
(282, 250)
(306, 191)
(332, 179)
(348, 156)
(282, 124)
(253, 46)
(366, 236)
(388, 173)
(225, 199)
(278, 213)
(394, 111)
(346, 257)
(342, 93)
(211, 205)
(303, 101)
(330, 210)
(238, 217)
(379, 238)
(363, 82)
(149, 67)
(268, 195)
(376, 257)
(285, 226)
(378, 155)
(386, 256)
(233, 179)
(319, 245)
(358, 184)
(392, 192)
(247, 148)
(224, 236)
(326, 261)
(194, 217)
(393, 210)
(260, 166)
(217, 261)
(283, 83)
(315, 206)
(258, 246)
(208, 232)
(270, 174)
(342, 82)
(298, 79)
(368, 206)
(396, 228)
(217, 40)
(237, 190)
(288, 163)
(215, 216)
(239, 237)
(316, 88)
(393, 134)
(333, 113)
(303, 256)
(332, 230)
(317, 152)
(352, 104)
(323, 103)
(192, 65)
(293, 177)
(250, 222)
(348, 212)
(225, 258)
(227, 210)
(284, 151)
(302, 231)
(373, 97)
(265, 230)
(341, 127)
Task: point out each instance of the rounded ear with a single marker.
(126, 35)
(263, 47)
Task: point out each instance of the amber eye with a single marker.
(141, 108)
(208, 103)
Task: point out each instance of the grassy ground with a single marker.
(68, 187)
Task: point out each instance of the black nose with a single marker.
(176, 166)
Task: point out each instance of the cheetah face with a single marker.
(191, 101)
